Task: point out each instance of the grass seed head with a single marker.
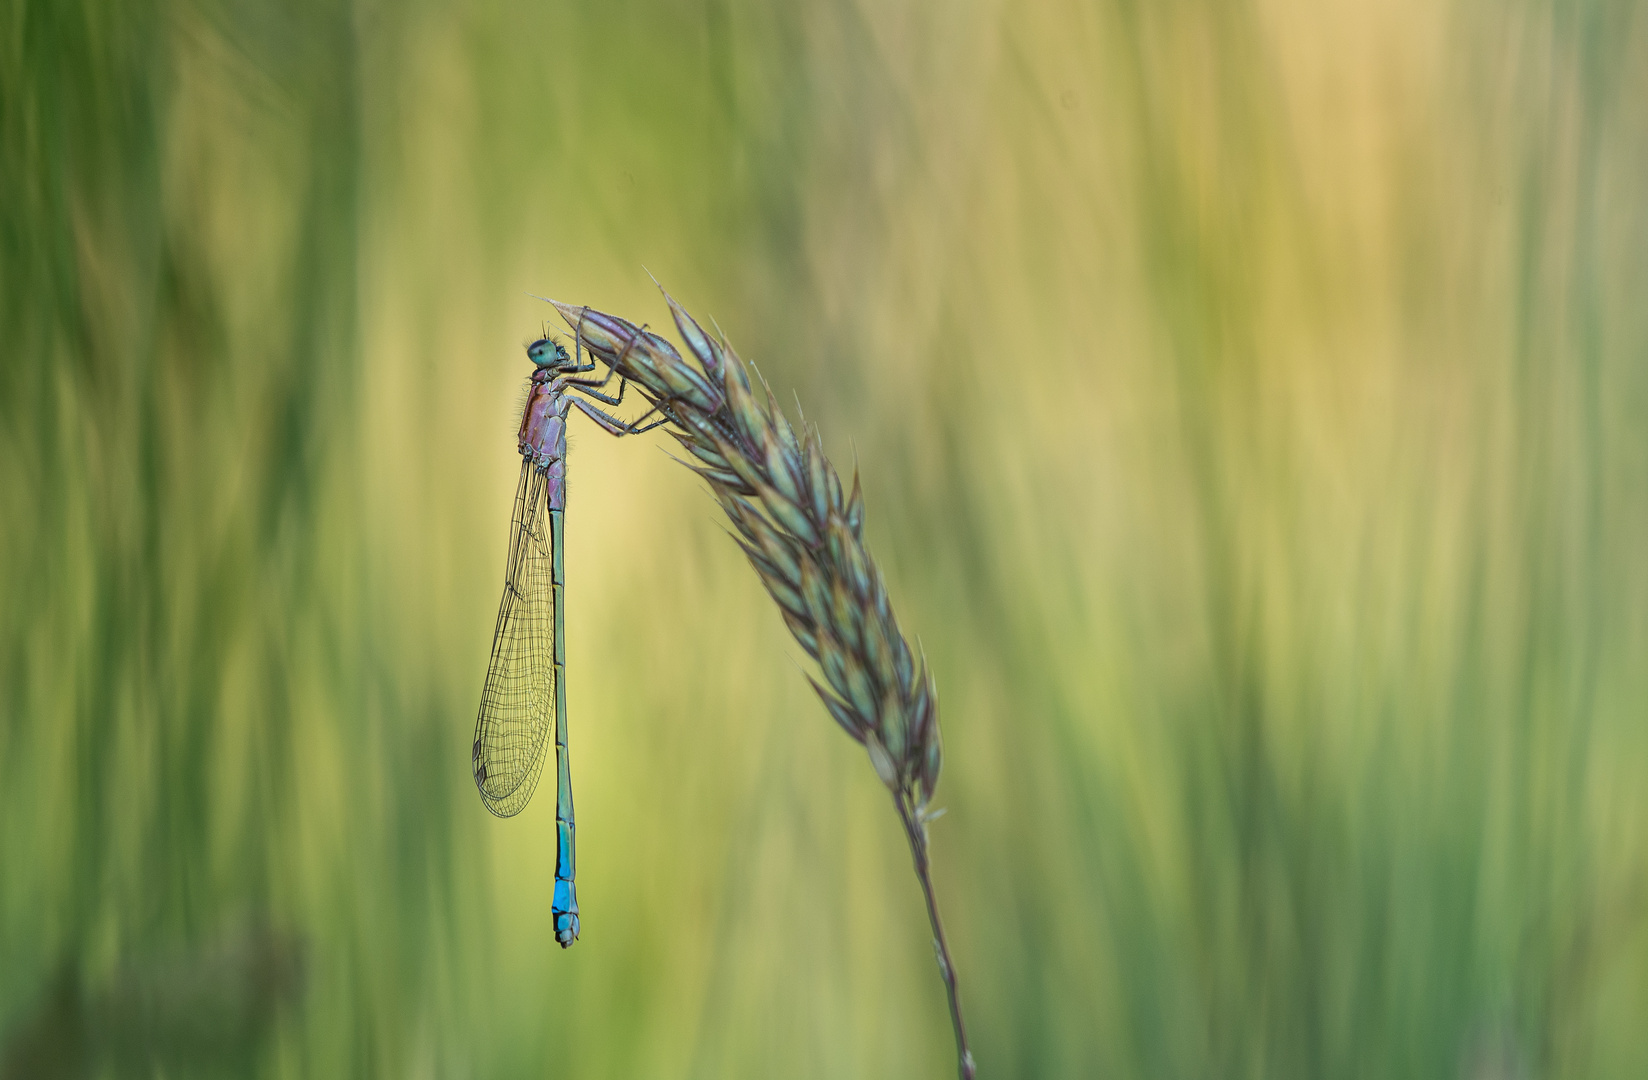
(803, 535)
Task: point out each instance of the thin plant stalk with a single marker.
(915, 830)
(803, 531)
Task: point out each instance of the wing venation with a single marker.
(517, 711)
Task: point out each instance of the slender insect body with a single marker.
(523, 703)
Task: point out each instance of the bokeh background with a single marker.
(1249, 398)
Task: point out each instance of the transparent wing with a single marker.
(518, 702)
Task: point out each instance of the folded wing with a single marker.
(517, 711)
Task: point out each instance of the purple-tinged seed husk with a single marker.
(880, 653)
(860, 691)
(844, 617)
(802, 629)
(707, 454)
(784, 596)
(814, 592)
(880, 760)
(747, 470)
(855, 508)
(817, 486)
(780, 422)
(784, 479)
(702, 346)
(781, 554)
(602, 333)
(732, 366)
(716, 476)
(788, 514)
(905, 665)
(746, 414)
(838, 711)
(892, 727)
(683, 382)
(833, 660)
(836, 541)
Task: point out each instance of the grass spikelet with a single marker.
(806, 543)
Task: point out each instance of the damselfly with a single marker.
(525, 694)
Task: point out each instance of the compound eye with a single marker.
(539, 353)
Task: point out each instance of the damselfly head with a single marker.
(546, 352)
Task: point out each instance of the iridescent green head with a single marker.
(546, 352)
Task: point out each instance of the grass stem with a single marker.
(916, 833)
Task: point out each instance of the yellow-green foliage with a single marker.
(1250, 404)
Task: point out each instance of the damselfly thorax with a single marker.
(543, 434)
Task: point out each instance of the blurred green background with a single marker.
(1250, 402)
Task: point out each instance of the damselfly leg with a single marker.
(614, 426)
